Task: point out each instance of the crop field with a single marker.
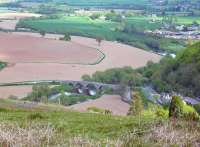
(26, 49)
(106, 102)
(83, 25)
(188, 20)
(144, 22)
(109, 30)
(129, 56)
(8, 20)
(75, 25)
(103, 3)
(17, 15)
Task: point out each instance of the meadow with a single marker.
(108, 30)
(188, 20)
(104, 3)
(53, 125)
(71, 123)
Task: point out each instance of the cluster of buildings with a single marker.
(179, 32)
(178, 35)
(165, 98)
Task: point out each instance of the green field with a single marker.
(105, 3)
(53, 125)
(188, 20)
(72, 123)
(75, 25)
(109, 30)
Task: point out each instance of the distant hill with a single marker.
(181, 74)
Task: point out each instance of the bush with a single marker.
(125, 75)
(191, 116)
(197, 108)
(176, 107)
(136, 105)
(66, 37)
(13, 97)
(160, 112)
(86, 78)
(95, 16)
(189, 113)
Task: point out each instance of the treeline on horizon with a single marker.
(161, 7)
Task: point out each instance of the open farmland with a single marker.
(51, 69)
(8, 20)
(26, 49)
(17, 15)
(99, 3)
(131, 31)
(116, 55)
(76, 25)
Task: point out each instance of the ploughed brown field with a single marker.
(26, 49)
(17, 48)
(9, 20)
(17, 15)
(106, 102)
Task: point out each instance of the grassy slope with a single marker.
(73, 123)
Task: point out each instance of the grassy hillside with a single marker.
(70, 124)
(26, 123)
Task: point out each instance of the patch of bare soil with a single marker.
(27, 49)
(109, 102)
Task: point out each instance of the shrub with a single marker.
(108, 112)
(160, 112)
(176, 107)
(191, 116)
(189, 113)
(86, 78)
(197, 108)
(13, 97)
(136, 105)
(42, 33)
(66, 37)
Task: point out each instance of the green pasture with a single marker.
(144, 22)
(75, 25)
(188, 19)
(104, 3)
(72, 123)
(109, 30)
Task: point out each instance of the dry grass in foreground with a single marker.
(35, 135)
(178, 134)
